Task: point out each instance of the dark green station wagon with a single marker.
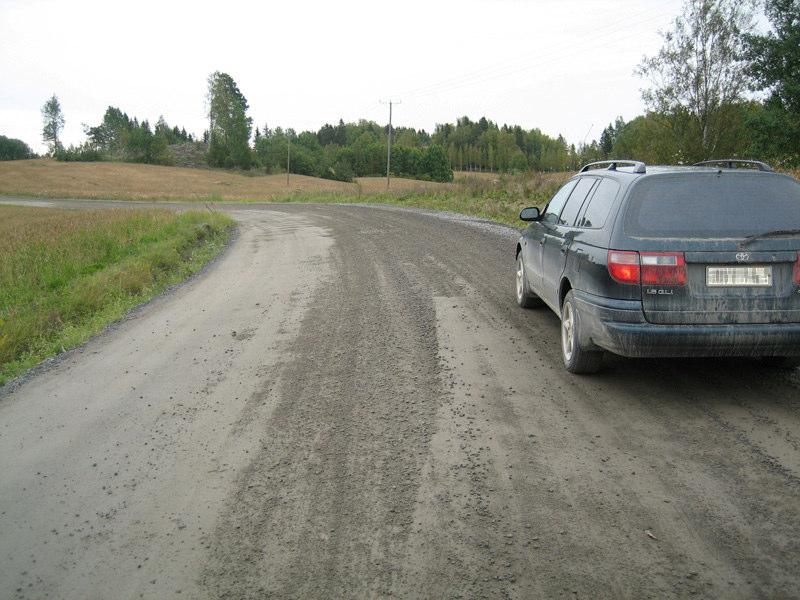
(668, 261)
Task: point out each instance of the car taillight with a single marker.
(663, 268)
(647, 268)
(797, 270)
(624, 266)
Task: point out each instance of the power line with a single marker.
(493, 72)
(598, 34)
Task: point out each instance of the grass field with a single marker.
(488, 195)
(126, 181)
(66, 274)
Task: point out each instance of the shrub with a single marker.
(82, 153)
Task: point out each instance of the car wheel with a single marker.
(780, 362)
(525, 297)
(577, 359)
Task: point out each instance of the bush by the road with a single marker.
(66, 274)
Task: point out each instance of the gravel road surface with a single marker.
(349, 404)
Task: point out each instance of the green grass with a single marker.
(66, 274)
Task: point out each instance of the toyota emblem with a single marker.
(742, 256)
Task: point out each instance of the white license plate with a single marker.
(738, 276)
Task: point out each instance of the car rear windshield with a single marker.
(712, 205)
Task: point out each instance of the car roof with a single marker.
(627, 173)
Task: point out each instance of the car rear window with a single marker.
(712, 205)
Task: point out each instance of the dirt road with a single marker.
(349, 404)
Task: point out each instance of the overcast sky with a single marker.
(564, 66)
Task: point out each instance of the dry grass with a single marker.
(125, 181)
(65, 274)
(521, 185)
(489, 195)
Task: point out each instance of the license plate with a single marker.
(738, 276)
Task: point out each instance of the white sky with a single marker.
(564, 66)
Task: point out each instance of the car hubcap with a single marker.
(568, 331)
(520, 280)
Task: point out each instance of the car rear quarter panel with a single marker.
(587, 268)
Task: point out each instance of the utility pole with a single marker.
(288, 156)
(389, 145)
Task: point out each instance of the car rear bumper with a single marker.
(619, 326)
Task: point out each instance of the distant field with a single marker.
(125, 181)
(65, 274)
(488, 195)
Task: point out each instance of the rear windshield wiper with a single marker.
(770, 234)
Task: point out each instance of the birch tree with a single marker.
(700, 70)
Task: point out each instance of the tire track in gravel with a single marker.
(325, 508)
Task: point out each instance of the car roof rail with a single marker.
(611, 165)
(733, 163)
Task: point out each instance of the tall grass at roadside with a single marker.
(65, 274)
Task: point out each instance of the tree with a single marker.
(435, 165)
(53, 120)
(229, 125)
(143, 146)
(700, 69)
(13, 149)
(775, 66)
(609, 137)
(119, 137)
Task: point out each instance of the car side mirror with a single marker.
(529, 214)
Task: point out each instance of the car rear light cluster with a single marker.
(797, 270)
(624, 266)
(663, 268)
(647, 268)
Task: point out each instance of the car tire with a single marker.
(525, 297)
(780, 362)
(577, 359)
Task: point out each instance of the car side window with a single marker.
(599, 205)
(557, 203)
(576, 200)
